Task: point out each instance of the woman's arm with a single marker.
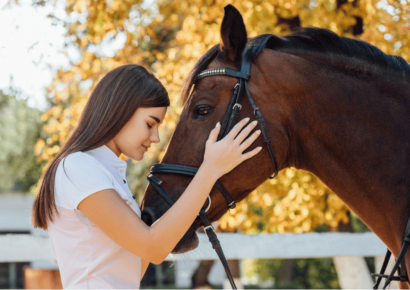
(118, 221)
(144, 266)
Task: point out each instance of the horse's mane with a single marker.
(314, 40)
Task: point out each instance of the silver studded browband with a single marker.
(222, 71)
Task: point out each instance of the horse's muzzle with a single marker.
(148, 216)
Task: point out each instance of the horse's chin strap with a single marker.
(399, 265)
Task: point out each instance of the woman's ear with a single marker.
(233, 34)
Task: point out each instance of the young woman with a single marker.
(85, 203)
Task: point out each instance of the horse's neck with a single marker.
(356, 140)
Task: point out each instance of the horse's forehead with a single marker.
(212, 86)
(211, 90)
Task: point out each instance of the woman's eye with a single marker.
(203, 111)
(149, 126)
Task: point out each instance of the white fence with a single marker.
(347, 249)
(18, 248)
(15, 213)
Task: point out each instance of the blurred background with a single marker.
(52, 54)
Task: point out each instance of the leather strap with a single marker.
(210, 232)
(236, 108)
(394, 278)
(154, 182)
(384, 266)
(183, 170)
(265, 134)
(399, 265)
(223, 71)
(224, 131)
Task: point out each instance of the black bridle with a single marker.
(229, 120)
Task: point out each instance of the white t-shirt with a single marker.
(87, 257)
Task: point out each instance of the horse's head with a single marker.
(206, 106)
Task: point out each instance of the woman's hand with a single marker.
(226, 154)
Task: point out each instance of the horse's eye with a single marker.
(203, 111)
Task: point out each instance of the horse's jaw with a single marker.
(188, 242)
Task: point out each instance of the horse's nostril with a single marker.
(148, 216)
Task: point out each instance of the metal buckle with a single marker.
(232, 205)
(237, 84)
(237, 105)
(210, 226)
(209, 204)
(155, 179)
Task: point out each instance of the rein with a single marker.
(229, 120)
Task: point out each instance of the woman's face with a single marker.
(138, 133)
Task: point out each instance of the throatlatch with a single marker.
(398, 266)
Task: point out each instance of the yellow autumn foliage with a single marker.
(295, 201)
(169, 37)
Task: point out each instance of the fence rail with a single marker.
(19, 248)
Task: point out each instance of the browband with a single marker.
(223, 71)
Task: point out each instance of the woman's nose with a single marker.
(155, 138)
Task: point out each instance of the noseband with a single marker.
(229, 120)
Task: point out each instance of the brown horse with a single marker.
(336, 107)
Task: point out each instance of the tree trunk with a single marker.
(353, 273)
(200, 276)
(234, 266)
(351, 270)
(286, 273)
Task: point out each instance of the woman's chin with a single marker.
(138, 156)
(188, 243)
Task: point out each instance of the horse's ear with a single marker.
(233, 34)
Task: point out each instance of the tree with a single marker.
(169, 37)
(20, 128)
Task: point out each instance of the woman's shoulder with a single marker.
(77, 157)
(80, 162)
(79, 175)
(82, 166)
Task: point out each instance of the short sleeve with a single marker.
(78, 176)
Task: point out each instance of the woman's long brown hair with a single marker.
(112, 103)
